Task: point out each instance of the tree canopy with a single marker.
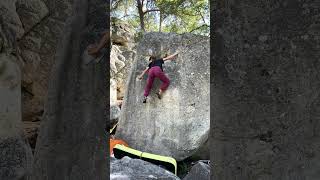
(179, 16)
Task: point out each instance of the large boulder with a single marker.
(72, 142)
(15, 152)
(199, 171)
(127, 168)
(178, 124)
(266, 101)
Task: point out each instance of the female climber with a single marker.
(155, 70)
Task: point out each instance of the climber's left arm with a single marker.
(143, 72)
(102, 43)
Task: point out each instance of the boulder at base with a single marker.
(178, 124)
(199, 171)
(127, 168)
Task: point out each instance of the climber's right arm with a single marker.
(170, 57)
(143, 72)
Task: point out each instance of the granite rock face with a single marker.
(127, 168)
(15, 152)
(265, 90)
(178, 124)
(72, 142)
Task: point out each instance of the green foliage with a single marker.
(138, 36)
(179, 16)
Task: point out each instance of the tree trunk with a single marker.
(141, 15)
(160, 25)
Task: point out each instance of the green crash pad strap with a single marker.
(148, 156)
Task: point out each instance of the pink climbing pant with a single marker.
(152, 74)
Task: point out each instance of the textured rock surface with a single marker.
(116, 60)
(31, 29)
(122, 58)
(43, 22)
(114, 112)
(199, 171)
(31, 12)
(178, 124)
(15, 152)
(114, 116)
(10, 20)
(122, 33)
(72, 143)
(113, 92)
(266, 90)
(127, 168)
(122, 54)
(31, 130)
(203, 152)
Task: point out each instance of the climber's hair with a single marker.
(152, 58)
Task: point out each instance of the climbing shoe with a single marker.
(159, 96)
(144, 100)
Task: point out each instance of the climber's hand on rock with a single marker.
(140, 77)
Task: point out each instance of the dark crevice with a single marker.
(266, 137)
(27, 91)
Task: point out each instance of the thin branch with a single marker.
(129, 15)
(203, 25)
(204, 21)
(200, 13)
(151, 10)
